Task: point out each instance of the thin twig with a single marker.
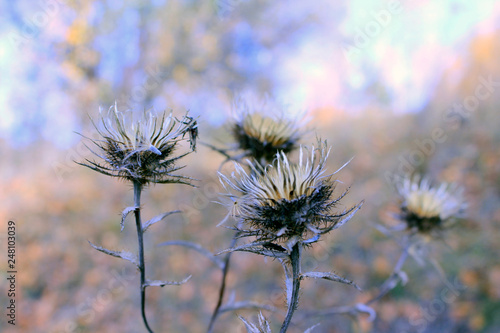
(142, 266)
(222, 289)
(389, 284)
(198, 248)
(219, 150)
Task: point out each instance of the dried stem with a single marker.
(293, 300)
(222, 289)
(389, 284)
(142, 266)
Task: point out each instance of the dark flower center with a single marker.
(262, 149)
(292, 217)
(423, 224)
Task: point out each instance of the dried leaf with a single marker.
(246, 305)
(251, 328)
(125, 213)
(199, 249)
(403, 277)
(118, 254)
(258, 248)
(363, 308)
(311, 240)
(157, 219)
(310, 329)
(288, 280)
(291, 242)
(263, 326)
(157, 283)
(289, 290)
(330, 277)
(350, 213)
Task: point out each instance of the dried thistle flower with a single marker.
(288, 201)
(261, 135)
(427, 208)
(141, 150)
(287, 206)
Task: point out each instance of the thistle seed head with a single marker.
(141, 150)
(262, 135)
(288, 200)
(427, 208)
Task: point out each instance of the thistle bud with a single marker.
(428, 208)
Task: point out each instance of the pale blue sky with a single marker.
(406, 56)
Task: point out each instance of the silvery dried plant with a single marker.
(259, 133)
(429, 209)
(286, 207)
(425, 212)
(260, 136)
(141, 151)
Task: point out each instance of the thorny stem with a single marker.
(222, 289)
(142, 266)
(294, 299)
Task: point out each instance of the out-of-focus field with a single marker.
(64, 285)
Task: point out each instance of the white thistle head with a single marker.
(427, 207)
(285, 199)
(140, 149)
(263, 131)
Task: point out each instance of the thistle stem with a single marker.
(388, 285)
(222, 289)
(142, 266)
(385, 288)
(294, 299)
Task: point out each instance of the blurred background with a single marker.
(403, 86)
